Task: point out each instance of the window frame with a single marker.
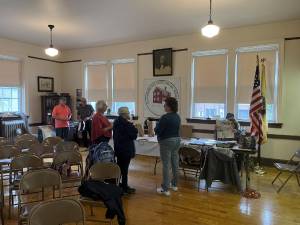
(113, 63)
(19, 98)
(257, 49)
(110, 79)
(203, 53)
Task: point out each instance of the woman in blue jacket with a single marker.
(167, 130)
(124, 134)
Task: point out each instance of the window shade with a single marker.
(10, 73)
(97, 82)
(246, 64)
(210, 78)
(124, 82)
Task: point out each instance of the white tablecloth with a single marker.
(147, 146)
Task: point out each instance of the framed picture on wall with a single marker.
(45, 84)
(162, 62)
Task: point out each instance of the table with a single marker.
(149, 146)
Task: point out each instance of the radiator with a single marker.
(9, 128)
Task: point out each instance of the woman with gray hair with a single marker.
(101, 127)
(124, 135)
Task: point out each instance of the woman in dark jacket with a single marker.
(124, 134)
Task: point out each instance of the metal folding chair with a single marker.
(292, 167)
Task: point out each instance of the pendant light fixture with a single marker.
(210, 30)
(51, 51)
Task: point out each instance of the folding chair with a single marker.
(101, 172)
(73, 159)
(66, 146)
(56, 212)
(25, 144)
(292, 167)
(18, 165)
(35, 182)
(52, 141)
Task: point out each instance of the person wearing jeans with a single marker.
(167, 130)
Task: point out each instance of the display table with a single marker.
(149, 146)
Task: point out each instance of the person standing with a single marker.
(124, 134)
(84, 114)
(62, 115)
(167, 130)
(101, 127)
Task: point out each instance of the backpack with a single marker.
(102, 152)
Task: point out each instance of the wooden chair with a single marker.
(34, 183)
(18, 165)
(56, 212)
(292, 167)
(101, 172)
(73, 159)
(66, 146)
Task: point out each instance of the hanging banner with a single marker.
(156, 91)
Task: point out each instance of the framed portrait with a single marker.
(45, 84)
(162, 62)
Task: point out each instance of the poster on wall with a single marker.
(156, 91)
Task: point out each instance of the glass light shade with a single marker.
(210, 30)
(51, 51)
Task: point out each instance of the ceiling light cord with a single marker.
(210, 20)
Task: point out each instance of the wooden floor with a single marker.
(221, 205)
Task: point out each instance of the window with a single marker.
(10, 99)
(96, 82)
(114, 82)
(209, 82)
(10, 84)
(245, 70)
(124, 85)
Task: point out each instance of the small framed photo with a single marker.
(162, 62)
(45, 84)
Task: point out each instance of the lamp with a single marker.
(210, 30)
(51, 51)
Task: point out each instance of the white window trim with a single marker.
(201, 54)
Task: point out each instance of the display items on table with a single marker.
(45, 84)
(162, 62)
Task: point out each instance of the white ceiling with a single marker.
(86, 23)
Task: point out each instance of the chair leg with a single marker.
(284, 183)
(9, 204)
(297, 176)
(276, 177)
(184, 173)
(92, 211)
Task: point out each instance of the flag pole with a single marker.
(259, 169)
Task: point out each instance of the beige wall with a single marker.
(31, 68)
(229, 39)
(69, 76)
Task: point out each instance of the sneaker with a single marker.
(163, 192)
(174, 188)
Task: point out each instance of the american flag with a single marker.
(256, 107)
